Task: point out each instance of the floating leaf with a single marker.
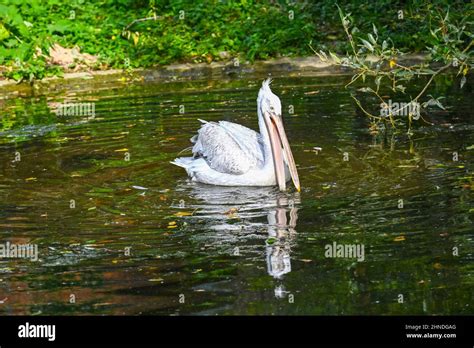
(122, 150)
(139, 187)
(232, 212)
(271, 240)
(31, 179)
(183, 213)
(399, 239)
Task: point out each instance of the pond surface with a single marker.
(120, 230)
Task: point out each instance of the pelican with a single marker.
(228, 154)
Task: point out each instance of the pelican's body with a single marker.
(228, 154)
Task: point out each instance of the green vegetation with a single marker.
(370, 55)
(143, 33)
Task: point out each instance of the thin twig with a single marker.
(363, 110)
(154, 18)
(426, 86)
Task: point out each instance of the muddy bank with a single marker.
(300, 66)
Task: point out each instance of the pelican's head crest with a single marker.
(267, 100)
(266, 83)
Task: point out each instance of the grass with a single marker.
(193, 31)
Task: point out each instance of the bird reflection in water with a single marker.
(250, 205)
(282, 231)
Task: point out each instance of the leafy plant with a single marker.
(130, 34)
(376, 58)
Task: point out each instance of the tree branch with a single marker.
(141, 20)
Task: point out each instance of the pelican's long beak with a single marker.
(280, 145)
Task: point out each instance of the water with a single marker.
(141, 239)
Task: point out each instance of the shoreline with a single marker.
(294, 66)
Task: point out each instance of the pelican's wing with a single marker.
(228, 147)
